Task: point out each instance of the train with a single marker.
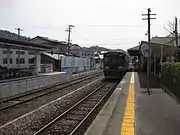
(115, 64)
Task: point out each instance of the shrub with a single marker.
(171, 77)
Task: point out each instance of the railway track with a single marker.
(24, 104)
(69, 122)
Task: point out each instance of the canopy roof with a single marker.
(134, 51)
(158, 48)
(167, 50)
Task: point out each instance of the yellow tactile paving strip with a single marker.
(128, 123)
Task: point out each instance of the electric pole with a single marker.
(19, 30)
(176, 39)
(69, 36)
(149, 44)
(176, 31)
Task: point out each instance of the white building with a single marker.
(9, 58)
(83, 52)
(26, 59)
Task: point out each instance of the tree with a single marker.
(170, 28)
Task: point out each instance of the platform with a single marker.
(130, 111)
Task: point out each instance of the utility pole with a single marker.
(176, 31)
(149, 44)
(69, 35)
(19, 30)
(176, 39)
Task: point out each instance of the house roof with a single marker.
(134, 48)
(75, 46)
(134, 51)
(161, 40)
(24, 45)
(50, 40)
(54, 56)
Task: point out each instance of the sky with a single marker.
(114, 24)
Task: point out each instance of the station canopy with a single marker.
(167, 50)
(161, 49)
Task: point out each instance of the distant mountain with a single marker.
(13, 36)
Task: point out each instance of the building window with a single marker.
(20, 52)
(20, 61)
(7, 52)
(10, 61)
(31, 53)
(5, 61)
(31, 61)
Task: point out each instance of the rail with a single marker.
(88, 97)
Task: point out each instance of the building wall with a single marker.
(74, 64)
(85, 53)
(13, 56)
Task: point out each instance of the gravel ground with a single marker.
(66, 124)
(32, 122)
(19, 110)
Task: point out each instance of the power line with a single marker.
(121, 25)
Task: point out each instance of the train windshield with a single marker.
(114, 60)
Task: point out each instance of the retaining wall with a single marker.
(16, 87)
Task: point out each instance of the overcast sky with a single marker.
(108, 23)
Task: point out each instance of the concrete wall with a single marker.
(12, 88)
(16, 87)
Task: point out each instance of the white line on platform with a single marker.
(132, 78)
(49, 103)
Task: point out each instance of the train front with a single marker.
(115, 65)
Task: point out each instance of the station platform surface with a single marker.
(131, 111)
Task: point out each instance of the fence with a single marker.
(14, 87)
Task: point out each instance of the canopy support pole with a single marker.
(161, 56)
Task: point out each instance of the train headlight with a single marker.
(120, 67)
